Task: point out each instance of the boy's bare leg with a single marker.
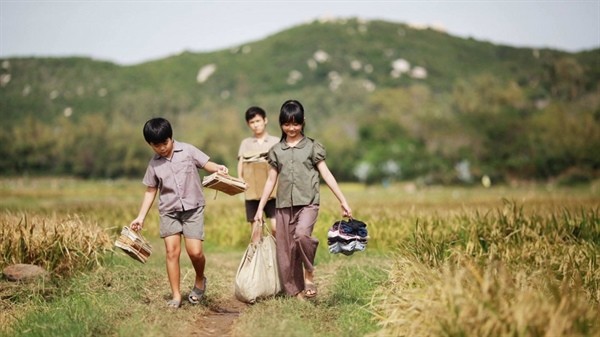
(196, 254)
(273, 226)
(173, 249)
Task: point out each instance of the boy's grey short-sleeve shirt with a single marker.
(177, 179)
(298, 180)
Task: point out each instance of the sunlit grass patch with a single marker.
(502, 273)
(63, 245)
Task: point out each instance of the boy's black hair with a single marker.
(253, 111)
(157, 130)
(291, 111)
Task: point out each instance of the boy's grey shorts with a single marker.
(189, 223)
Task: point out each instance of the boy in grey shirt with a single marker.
(173, 174)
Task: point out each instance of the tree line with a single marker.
(484, 126)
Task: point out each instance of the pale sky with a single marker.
(134, 31)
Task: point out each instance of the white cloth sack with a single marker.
(258, 275)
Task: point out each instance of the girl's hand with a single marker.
(346, 211)
(258, 216)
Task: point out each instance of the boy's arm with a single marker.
(214, 167)
(149, 196)
(334, 187)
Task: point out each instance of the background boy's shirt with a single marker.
(177, 180)
(252, 145)
(255, 169)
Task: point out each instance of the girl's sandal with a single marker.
(310, 290)
(196, 294)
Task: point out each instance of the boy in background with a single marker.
(253, 167)
(173, 174)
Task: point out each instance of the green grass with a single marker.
(341, 308)
(440, 262)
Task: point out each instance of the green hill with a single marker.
(82, 116)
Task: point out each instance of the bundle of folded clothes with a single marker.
(347, 237)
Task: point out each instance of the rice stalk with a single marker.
(503, 273)
(60, 245)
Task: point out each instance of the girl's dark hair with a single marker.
(253, 111)
(157, 130)
(291, 112)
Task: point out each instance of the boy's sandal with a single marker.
(173, 304)
(196, 294)
(310, 290)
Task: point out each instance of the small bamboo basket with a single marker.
(134, 245)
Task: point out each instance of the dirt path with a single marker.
(223, 307)
(218, 321)
(220, 309)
